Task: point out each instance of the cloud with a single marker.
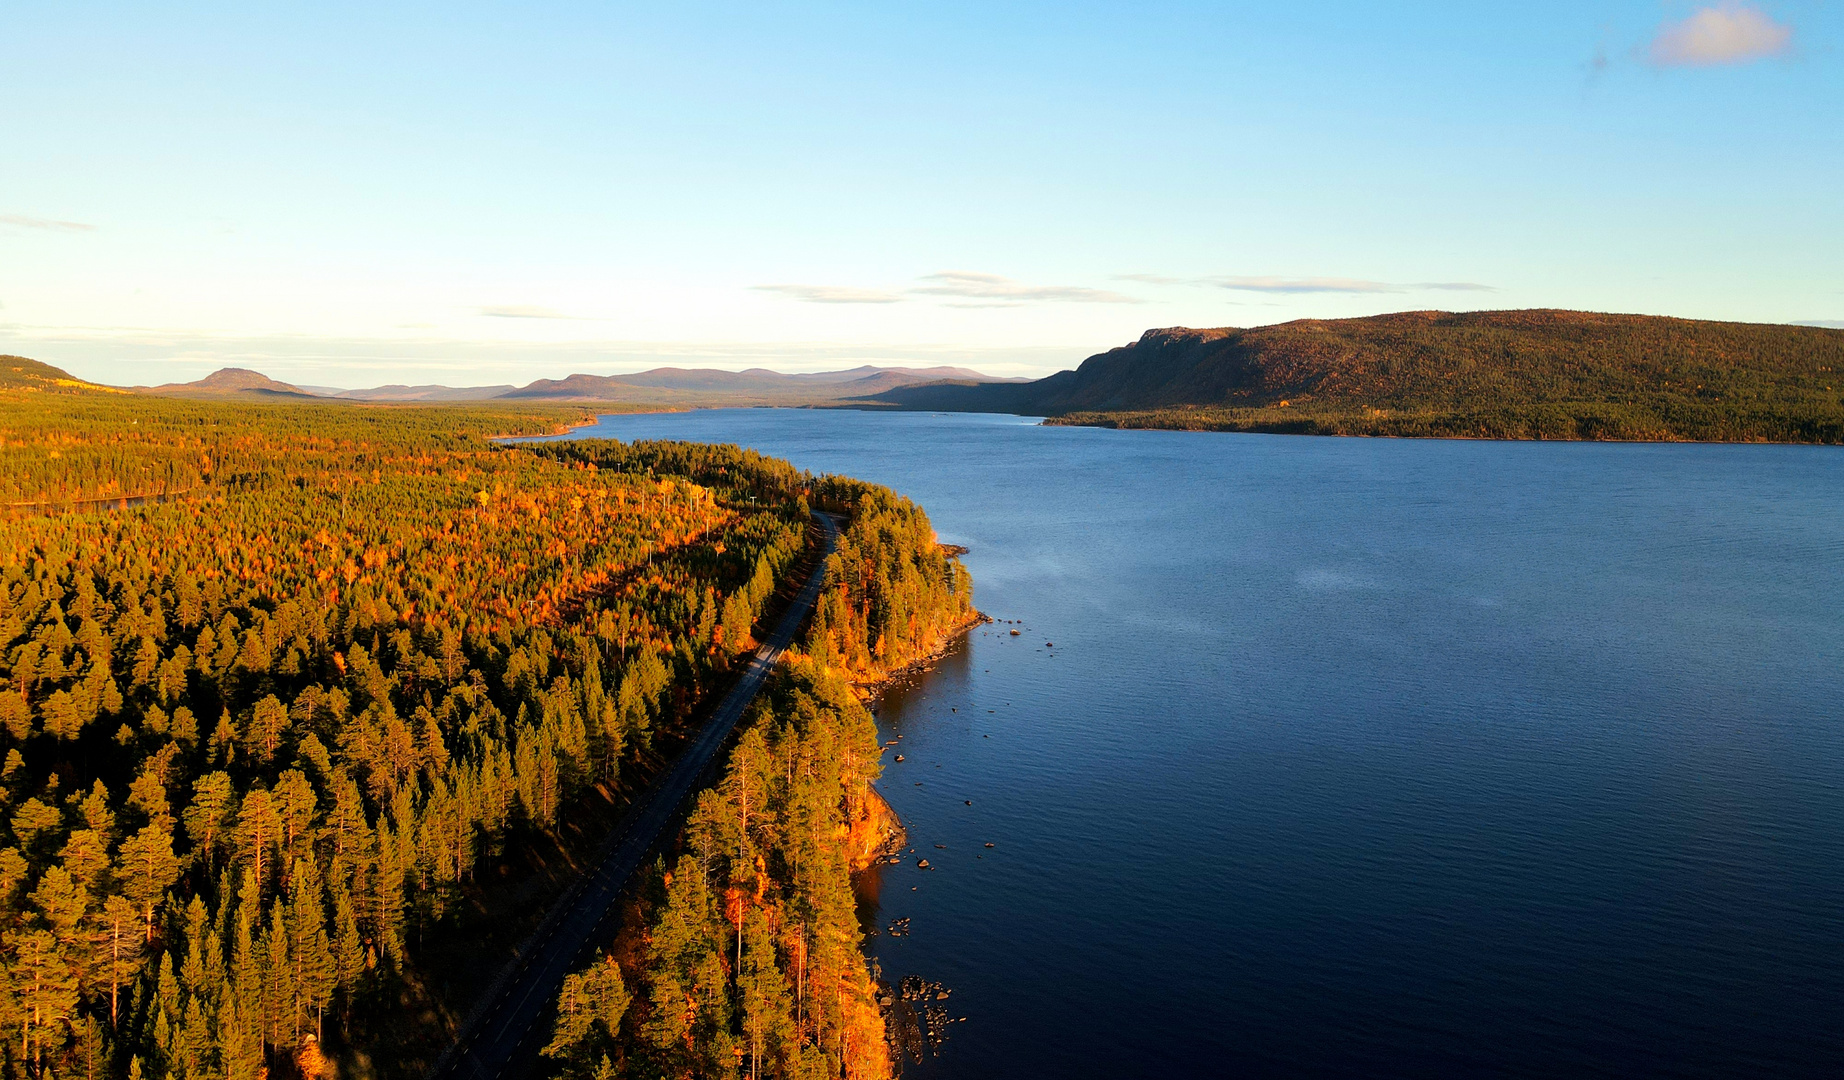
(1828, 324)
(1302, 285)
(1003, 291)
(831, 294)
(1730, 34)
(1270, 284)
(522, 311)
(23, 222)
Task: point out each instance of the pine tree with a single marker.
(296, 807)
(147, 869)
(348, 945)
(763, 992)
(118, 944)
(589, 1012)
(268, 721)
(44, 984)
(241, 1019)
(259, 831)
(210, 816)
(279, 997)
(315, 971)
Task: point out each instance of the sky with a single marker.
(356, 194)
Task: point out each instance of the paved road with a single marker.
(502, 1039)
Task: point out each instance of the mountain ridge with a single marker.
(1540, 373)
(662, 385)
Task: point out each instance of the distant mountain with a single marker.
(1514, 374)
(230, 382)
(681, 386)
(398, 392)
(753, 385)
(684, 387)
(572, 388)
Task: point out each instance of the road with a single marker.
(502, 1038)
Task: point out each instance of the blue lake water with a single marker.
(1364, 757)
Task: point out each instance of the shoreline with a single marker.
(870, 690)
(1103, 423)
(871, 694)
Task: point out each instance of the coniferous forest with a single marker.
(745, 957)
(301, 701)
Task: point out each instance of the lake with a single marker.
(1332, 757)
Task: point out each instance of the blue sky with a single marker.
(340, 195)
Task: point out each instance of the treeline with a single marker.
(1660, 420)
(750, 960)
(61, 450)
(259, 741)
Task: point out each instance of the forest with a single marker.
(744, 955)
(300, 703)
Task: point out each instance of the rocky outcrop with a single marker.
(874, 831)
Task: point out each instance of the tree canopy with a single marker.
(277, 682)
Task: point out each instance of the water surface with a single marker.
(1365, 757)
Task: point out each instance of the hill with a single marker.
(753, 386)
(19, 373)
(688, 387)
(1499, 374)
(670, 387)
(230, 382)
(431, 392)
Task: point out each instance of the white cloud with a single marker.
(1269, 284)
(831, 294)
(1302, 285)
(1827, 324)
(22, 222)
(522, 311)
(1005, 292)
(1730, 34)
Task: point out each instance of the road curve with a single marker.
(501, 1039)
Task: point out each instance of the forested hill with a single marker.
(19, 373)
(1514, 374)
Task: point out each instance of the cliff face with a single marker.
(1164, 366)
